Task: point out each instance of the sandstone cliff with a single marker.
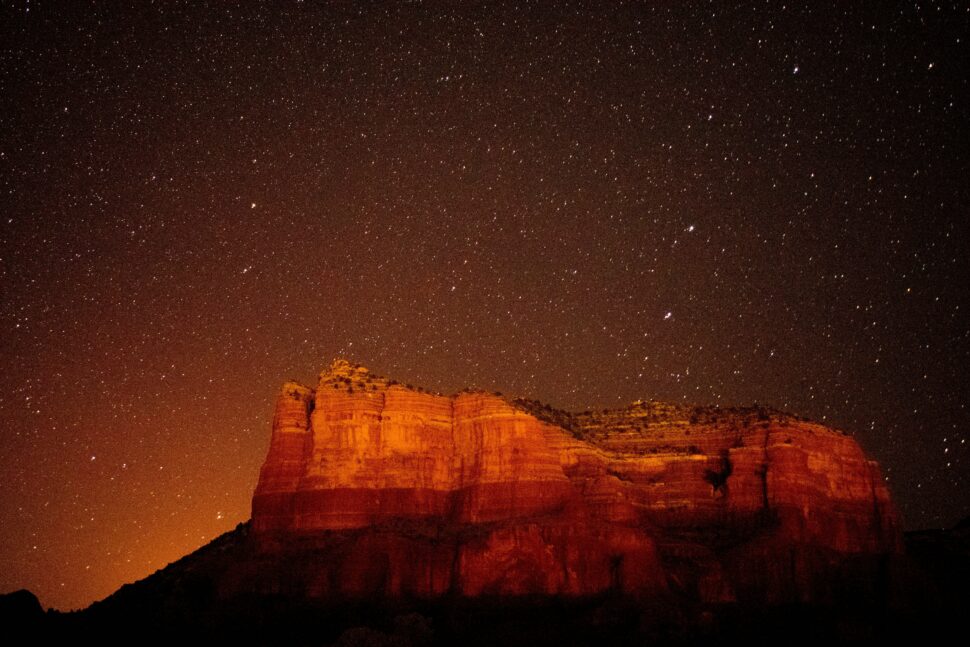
(375, 488)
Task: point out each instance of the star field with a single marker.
(582, 203)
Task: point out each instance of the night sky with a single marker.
(580, 203)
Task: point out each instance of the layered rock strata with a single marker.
(387, 490)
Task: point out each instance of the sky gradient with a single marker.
(582, 203)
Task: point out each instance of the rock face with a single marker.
(379, 489)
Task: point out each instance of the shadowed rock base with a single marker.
(199, 600)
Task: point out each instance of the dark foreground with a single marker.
(926, 598)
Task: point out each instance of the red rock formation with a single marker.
(387, 490)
